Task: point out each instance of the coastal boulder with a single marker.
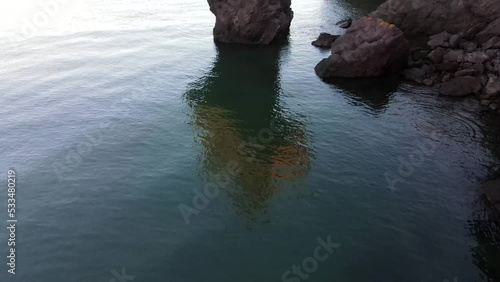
(251, 21)
(370, 47)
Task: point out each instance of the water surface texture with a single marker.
(116, 115)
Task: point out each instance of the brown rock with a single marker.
(493, 86)
(370, 47)
(415, 74)
(492, 54)
(479, 68)
(251, 21)
(477, 57)
(454, 56)
(455, 40)
(439, 40)
(325, 40)
(468, 46)
(436, 56)
(460, 86)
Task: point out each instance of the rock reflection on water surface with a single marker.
(239, 119)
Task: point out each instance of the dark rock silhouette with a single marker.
(251, 21)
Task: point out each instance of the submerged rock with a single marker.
(251, 21)
(370, 47)
(325, 40)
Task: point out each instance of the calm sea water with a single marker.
(115, 113)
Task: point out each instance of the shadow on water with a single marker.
(239, 121)
(484, 226)
(484, 222)
(374, 93)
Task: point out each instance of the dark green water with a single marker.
(115, 128)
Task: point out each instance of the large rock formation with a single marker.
(370, 47)
(432, 17)
(251, 21)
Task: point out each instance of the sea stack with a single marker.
(251, 21)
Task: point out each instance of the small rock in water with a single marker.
(325, 40)
(493, 106)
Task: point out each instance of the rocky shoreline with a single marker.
(466, 62)
(458, 67)
(461, 56)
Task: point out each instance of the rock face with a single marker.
(251, 21)
(432, 17)
(370, 47)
